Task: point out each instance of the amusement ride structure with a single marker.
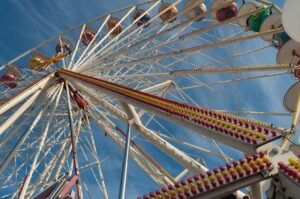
(136, 76)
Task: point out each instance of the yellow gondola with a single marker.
(170, 13)
(112, 23)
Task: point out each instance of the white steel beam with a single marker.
(133, 32)
(192, 49)
(24, 137)
(74, 143)
(70, 30)
(256, 191)
(182, 174)
(49, 166)
(97, 156)
(203, 150)
(123, 182)
(179, 156)
(10, 103)
(243, 146)
(4, 126)
(173, 152)
(94, 38)
(12, 134)
(106, 36)
(183, 24)
(133, 153)
(77, 46)
(158, 86)
(41, 146)
(61, 163)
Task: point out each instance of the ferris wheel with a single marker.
(156, 97)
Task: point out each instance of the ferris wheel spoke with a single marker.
(181, 72)
(49, 140)
(150, 73)
(103, 186)
(242, 145)
(202, 53)
(208, 86)
(186, 35)
(74, 143)
(15, 172)
(56, 171)
(152, 118)
(222, 153)
(61, 163)
(200, 149)
(17, 128)
(107, 35)
(68, 31)
(189, 55)
(185, 24)
(145, 165)
(23, 138)
(200, 83)
(89, 165)
(38, 151)
(192, 49)
(136, 30)
(236, 69)
(16, 99)
(183, 96)
(97, 161)
(50, 165)
(234, 80)
(105, 58)
(141, 27)
(77, 46)
(167, 148)
(92, 42)
(133, 153)
(56, 159)
(238, 55)
(10, 91)
(47, 155)
(120, 52)
(37, 185)
(4, 126)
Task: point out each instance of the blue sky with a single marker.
(27, 23)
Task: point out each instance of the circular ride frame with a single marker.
(153, 79)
